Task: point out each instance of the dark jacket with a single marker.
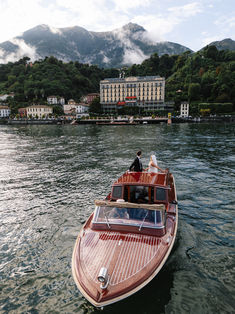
(136, 165)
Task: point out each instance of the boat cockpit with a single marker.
(140, 194)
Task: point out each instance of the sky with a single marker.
(193, 24)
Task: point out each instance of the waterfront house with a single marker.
(5, 112)
(61, 101)
(71, 102)
(91, 97)
(82, 110)
(39, 111)
(87, 99)
(184, 109)
(52, 100)
(70, 109)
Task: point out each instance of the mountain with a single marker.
(125, 46)
(226, 44)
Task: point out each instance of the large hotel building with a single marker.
(146, 92)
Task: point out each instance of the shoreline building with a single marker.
(82, 110)
(39, 111)
(5, 111)
(54, 100)
(184, 109)
(91, 97)
(146, 92)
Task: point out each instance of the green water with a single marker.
(49, 178)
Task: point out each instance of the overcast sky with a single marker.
(190, 23)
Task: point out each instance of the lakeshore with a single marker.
(121, 122)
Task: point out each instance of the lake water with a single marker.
(49, 179)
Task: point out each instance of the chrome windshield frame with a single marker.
(132, 222)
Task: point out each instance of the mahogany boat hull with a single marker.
(132, 259)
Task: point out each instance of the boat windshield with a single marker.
(129, 216)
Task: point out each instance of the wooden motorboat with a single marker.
(127, 239)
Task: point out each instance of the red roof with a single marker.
(144, 178)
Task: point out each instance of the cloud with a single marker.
(159, 25)
(22, 51)
(88, 12)
(161, 18)
(133, 56)
(1, 54)
(106, 59)
(224, 26)
(132, 53)
(55, 30)
(186, 10)
(125, 6)
(226, 22)
(94, 15)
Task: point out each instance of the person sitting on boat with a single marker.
(153, 167)
(137, 163)
(119, 213)
(141, 195)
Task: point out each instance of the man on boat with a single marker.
(137, 163)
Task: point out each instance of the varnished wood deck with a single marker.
(132, 259)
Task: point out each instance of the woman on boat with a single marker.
(153, 167)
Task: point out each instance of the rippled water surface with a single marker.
(49, 178)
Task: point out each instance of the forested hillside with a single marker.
(208, 75)
(50, 76)
(205, 76)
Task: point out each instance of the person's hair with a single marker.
(139, 153)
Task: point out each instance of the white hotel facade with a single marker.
(146, 92)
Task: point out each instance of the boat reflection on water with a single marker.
(127, 239)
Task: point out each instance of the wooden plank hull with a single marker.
(132, 259)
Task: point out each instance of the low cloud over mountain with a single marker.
(127, 45)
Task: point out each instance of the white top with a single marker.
(151, 168)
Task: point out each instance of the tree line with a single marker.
(205, 76)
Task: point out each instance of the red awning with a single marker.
(121, 103)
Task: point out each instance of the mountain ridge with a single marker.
(124, 46)
(225, 44)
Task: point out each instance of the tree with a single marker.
(194, 91)
(95, 106)
(211, 52)
(58, 110)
